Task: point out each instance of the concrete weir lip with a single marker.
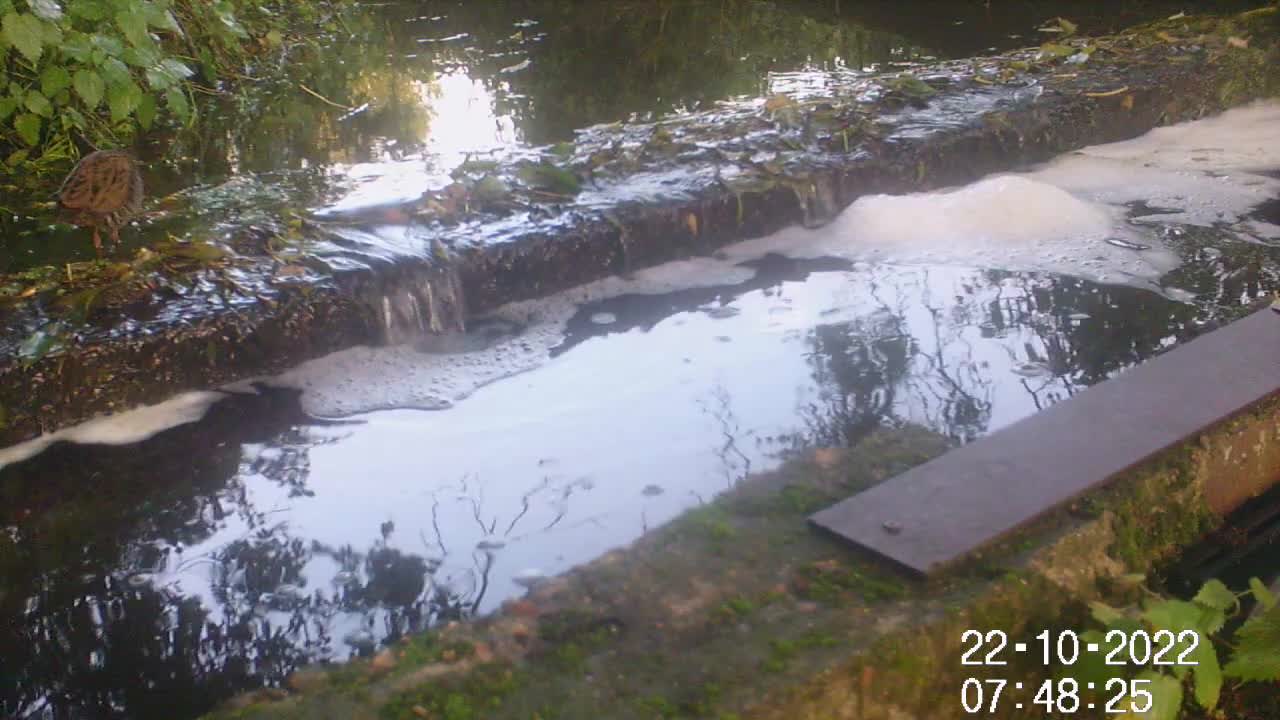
(934, 515)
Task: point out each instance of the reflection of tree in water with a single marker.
(857, 367)
(1061, 334)
(78, 641)
(590, 63)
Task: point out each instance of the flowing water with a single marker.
(154, 564)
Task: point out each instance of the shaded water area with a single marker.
(153, 579)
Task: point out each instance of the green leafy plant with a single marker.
(1181, 651)
(104, 70)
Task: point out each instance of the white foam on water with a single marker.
(1058, 217)
(362, 379)
(124, 428)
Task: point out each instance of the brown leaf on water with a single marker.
(1127, 102)
(691, 222)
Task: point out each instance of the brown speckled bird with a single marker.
(104, 190)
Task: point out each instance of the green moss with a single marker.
(783, 651)
(426, 648)
(834, 583)
(1156, 510)
(470, 697)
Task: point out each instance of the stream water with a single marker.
(154, 565)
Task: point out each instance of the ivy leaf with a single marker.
(37, 103)
(167, 74)
(158, 80)
(1104, 613)
(1262, 594)
(1173, 615)
(24, 33)
(51, 32)
(146, 111)
(54, 79)
(123, 99)
(1257, 655)
(28, 127)
(1166, 696)
(176, 68)
(77, 47)
(115, 72)
(1211, 620)
(1215, 594)
(177, 102)
(47, 9)
(72, 119)
(160, 17)
(110, 46)
(7, 105)
(1208, 675)
(1092, 667)
(88, 9)
(134, 26)
(144, 57)
(89, 86)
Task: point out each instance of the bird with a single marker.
(104, 189)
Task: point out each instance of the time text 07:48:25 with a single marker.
(1066, 695)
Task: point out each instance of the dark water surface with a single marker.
(153, 580)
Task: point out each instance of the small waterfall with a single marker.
(414, 300)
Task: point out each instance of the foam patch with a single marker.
(124, 428)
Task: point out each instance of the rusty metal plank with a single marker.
(942, 510)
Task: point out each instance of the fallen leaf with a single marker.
(1236, 42)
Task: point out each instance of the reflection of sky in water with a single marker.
(462, 123)
(565, 462)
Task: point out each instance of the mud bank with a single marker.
(620, 198)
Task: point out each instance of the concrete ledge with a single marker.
(936, 514)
